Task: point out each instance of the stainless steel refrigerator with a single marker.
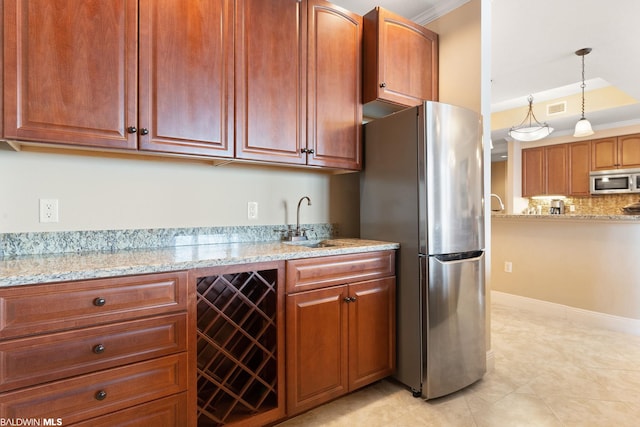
(422, 186)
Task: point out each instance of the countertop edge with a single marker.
(37, 270)
(570, 217)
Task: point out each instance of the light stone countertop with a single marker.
(570, 217)
(37, 269)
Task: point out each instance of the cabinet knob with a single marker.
(383, 85)
(101, 395)
(144, 131)
(99, 349)
(99, 302)
(353, 299)
(132, 129)
(310, 150)
(350, 299)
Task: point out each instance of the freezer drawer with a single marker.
(455, 323)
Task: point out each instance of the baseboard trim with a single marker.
(577, 315)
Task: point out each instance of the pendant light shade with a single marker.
(530, 129)
(583, 127)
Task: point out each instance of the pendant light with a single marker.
(527, 130)
(583, 127)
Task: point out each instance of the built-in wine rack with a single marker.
(237, 346)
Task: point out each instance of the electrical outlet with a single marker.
(48, 210)
(508, 267)
(252, 210)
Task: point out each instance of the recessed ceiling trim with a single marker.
(438, 10)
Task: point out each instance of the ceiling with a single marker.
(533, 45)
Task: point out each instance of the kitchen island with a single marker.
(586, 264)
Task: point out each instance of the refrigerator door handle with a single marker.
(459, 257)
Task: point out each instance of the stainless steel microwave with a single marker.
(615, 181)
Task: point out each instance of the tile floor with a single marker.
(548, 372)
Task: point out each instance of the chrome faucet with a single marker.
(499, 201)
(299, 233)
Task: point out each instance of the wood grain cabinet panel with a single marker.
(317, 347)
(372, 326)
(70, 78)
(81, 398)
(186, 77)
(33, 360)
(155, 76)
(341, 335)
(334, 107)
(400, 60)
(270, 71)
(621, 152)
(533, 180)
(556, 165)
(84, 349)
(579, 167)
(168, 412)
(314, 273)
(545, 171)
(29, 310)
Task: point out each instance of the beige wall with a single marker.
(460, 55)
(96, 192)
(591, 265)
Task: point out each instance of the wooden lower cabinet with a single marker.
(99, 352)
(338, 338)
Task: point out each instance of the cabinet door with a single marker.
(70, 71)
(334, 86)
(629, 151)
(186, 77)
(533, 172)
(556, 168)
(579, 167)
(270, 80)
(604, 154)
(401, 60)
(372, 319)
(316, 342)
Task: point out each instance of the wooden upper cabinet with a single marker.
(533, 172)
(545, 171)
(622, 152)
(604, 154)
(270, 75)
(70, 69)
(334, 108)
(186, 77)
(400, 60)
(629, 151)
(579, 167)
(556, 166)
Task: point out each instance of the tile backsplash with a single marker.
(610, 204)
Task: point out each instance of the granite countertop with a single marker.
(37, 269)
(565, 217)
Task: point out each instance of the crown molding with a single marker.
(438, 10)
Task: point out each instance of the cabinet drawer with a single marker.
(168, 412)
(79, 399)
(29, 361)
(28, 310)
(313, 273)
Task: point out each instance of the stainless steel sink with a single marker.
(312, 244)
